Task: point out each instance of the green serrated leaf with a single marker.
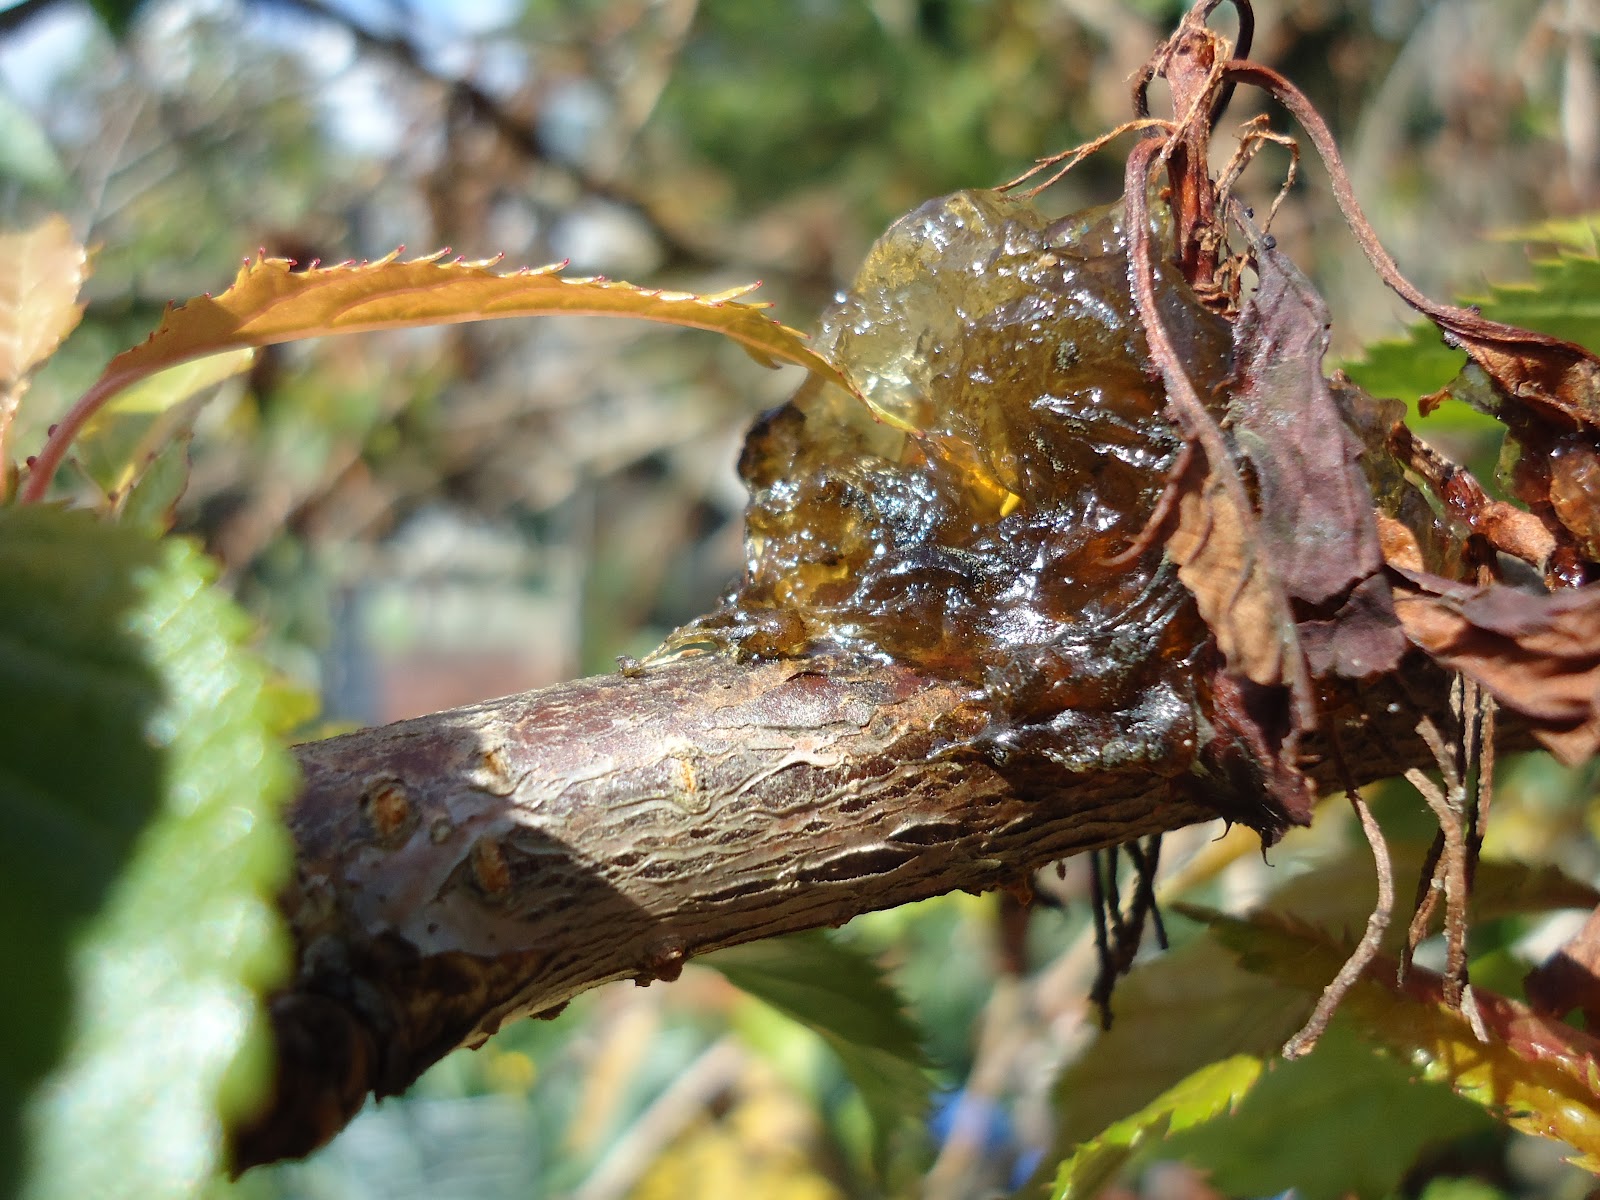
(1535, 1074)
(139, 788)
(843, 997)
(1209, 1092)
(1325, 1126)
(1563, 299)
(1579, 234)
(1175, 1016)
(1194, 1006)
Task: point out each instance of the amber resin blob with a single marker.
(972, 519)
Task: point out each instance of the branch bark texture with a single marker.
(462, 869)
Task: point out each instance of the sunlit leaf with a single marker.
(138, 785)
(1195, 1006)
(1539, 655)
(1324, 1126)
(1537, 1075)
(270, 302)
(844, 998)
(1176, 1015)
(1211, 1090)
(1562, 299)
(41, 270)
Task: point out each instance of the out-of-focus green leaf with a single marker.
(117, 15)
(26, 153)
(1325, 1126)
(1196, 1006)
(139, 789)
(1562, 299)
(844, 998)
(1464, 1189)
(1578, 234)
(1175, 1016)
(1332, 895)
(130, 434)
(1207, 1093)
(1537, 1075)
(152, 502)
(1410, 367)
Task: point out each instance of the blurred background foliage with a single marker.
(427, 519)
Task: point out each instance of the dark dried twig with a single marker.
(1118, 933)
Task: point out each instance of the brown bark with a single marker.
(459, 870)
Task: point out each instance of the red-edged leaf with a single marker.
(270, 302)
(1535, 1074)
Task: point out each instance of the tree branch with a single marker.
(459, 870)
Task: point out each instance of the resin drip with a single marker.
(1013, 441)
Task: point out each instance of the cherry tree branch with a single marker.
(462, 869)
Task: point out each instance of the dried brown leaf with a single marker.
(1262, 696)
(1538, 654)
(1316, 511)
(1214, 543)
(1550, 387)
(1218, 553)
(1362, 638)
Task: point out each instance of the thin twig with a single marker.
(1252, 138)
(1071, 158)
(1371, 941)
(1426, 902)
(1447, 808)
(1100, 993)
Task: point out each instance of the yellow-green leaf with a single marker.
(1536, 1074)
(41, 270)
(1209, 1092)
(270, 302)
